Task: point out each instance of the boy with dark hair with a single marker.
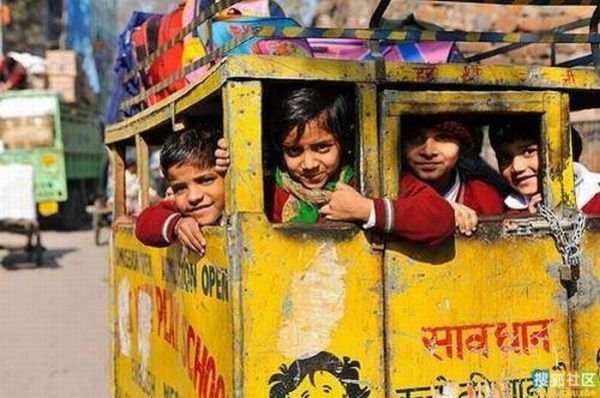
(432, 149)
(517, 150)
(187, 161)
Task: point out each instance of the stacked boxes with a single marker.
(62, 70)
(27, 132)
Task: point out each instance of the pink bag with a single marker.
(193, 47)
(432, 52)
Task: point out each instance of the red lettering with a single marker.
(200, 370)
(210, 375)
(219, 392)
(191, 335)
(161, 308)
(174, 329)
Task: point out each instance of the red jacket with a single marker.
(155, 226)
(593, 206)
(481, 197)
(418, 214)
(12, 73)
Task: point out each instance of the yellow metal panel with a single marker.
(117, 157)
(172, 314)
(426, 102)
(368, 154)
(243, 126)
(307, 290)
(586, 306)
(310, 69)
(543, 77)
(390, 162)
(143, 171)
(487, 311)
(559, 182)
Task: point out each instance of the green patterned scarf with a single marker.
(303, 204)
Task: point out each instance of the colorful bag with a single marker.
(358, 50)
(144, 39)
(193, 47)
(124, 64)
(169, 62)
(224, 31)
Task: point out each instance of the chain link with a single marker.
(568, 245)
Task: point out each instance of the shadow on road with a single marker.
(17, 260)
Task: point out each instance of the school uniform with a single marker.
(476, 194)
(587, 193)
(155, 226)
(418, 214)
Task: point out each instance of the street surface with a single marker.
(54, 336)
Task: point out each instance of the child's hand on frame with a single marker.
(534, 203)
(222, 156)
(465, 218)
(190, 236)
(347, 204)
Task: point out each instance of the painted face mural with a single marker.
(319, 384)
(321, 375)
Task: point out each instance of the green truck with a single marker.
(63, 142)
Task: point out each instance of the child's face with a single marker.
(198, 192)
(315, 158)
(432, 155)
(518, 162)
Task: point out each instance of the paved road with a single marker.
(54, 338)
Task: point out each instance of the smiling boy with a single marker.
(198, 192)
(432, 148)
(517, 150)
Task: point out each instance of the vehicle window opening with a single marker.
(309, 141)
(455, 154)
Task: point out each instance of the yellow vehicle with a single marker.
(511, 312)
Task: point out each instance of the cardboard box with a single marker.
(61, 62)
(27, 132)
(64, 84)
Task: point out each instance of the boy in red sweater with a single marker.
(432, 148)
(196, 191)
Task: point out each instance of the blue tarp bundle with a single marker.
(79, 38)
(124, 63)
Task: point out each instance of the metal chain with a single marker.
(568, 245)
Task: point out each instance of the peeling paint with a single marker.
(314, 305)
(144, 318)
(124, 316)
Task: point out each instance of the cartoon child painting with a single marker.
(321, 375)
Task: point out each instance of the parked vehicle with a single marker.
(63, 142)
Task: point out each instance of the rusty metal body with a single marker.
(485, 316)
